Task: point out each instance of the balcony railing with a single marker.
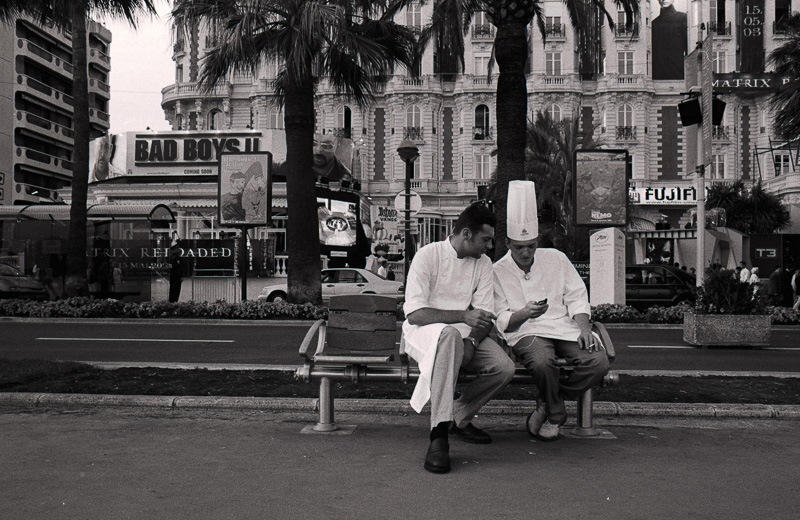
(483, 32)
(720, 133)
(720, 28)
(627, 31)
(414, 133)
(482, 133)
(555, 80)
(626, 133)
(481, 80)
(555, 31)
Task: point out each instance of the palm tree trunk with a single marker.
(76, 280)
(511, 51)
(302, 228)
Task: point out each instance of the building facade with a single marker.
(624, 82)
(36, 133)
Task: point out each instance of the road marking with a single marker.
(661, 346)
(142, 339)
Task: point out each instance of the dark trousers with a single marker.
(539, 356)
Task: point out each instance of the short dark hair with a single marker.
(474, 218)
(743, 262)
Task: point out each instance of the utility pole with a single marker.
(705, 73)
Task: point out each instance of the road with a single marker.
(638, 348)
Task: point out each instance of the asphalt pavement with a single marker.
(117, 462)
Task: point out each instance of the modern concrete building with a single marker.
(36, 132)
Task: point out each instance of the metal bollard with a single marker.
(326, 422)
(585, 427)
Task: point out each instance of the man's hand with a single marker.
(533, 310)
(479, 319)
(586, 340)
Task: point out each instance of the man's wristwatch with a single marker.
(473, 341)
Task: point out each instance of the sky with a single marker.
(141, 65)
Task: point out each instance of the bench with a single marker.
(359, 343)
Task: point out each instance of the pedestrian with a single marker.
(744, 273)
(796, 289)
(754, 281)
(774, 296)
(175, 271)
(448, 307)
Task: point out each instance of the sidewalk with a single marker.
(120, 463)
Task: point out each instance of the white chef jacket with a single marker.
(438, 279)
(552, 276)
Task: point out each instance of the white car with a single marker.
(343, 280)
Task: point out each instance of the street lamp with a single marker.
(408, 152)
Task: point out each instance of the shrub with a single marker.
(723, 293)
(616, 313)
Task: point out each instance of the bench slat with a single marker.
(361, 341)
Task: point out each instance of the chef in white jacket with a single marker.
(543, 312)
(448, 307)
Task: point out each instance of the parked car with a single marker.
(653, 284)
(16, 284)
(343, 280)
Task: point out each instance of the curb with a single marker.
(388, 406)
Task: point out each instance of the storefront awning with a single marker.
(95, 212)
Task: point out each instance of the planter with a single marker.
(749, 330)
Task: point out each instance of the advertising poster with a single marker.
(659, 251)
(244, 180)
(601, 188)
(337, 222)
(387, 230)
(670, 33)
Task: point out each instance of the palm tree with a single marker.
(351, 43)
(786, 60)
(748, 211)
(450, 23)
(75, 14)
(549, 156)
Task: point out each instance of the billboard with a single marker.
(179, 153)
(600, 194)
(244, 182)
(669, 37)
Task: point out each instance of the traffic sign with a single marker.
(400, 202)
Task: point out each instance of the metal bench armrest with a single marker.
(318, 326)
(601, 331)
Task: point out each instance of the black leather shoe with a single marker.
(437, 460)
(471, 434)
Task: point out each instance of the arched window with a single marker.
(275, 118)
(178, 122)
(483, 129)
(344, 120)
(413, 128)
(215, 120)
(626, 128)
(554, 111)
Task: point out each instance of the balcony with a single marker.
(100, 58)
(414, 133)
(483, 32)
(38, 90)
(555, 31)
(99, 118)
(43, 161)
(97, 86)
(482, 80)
(627, 31)
(720, 133)
(191, 91)
(626, 133)
(720, 28)
(41, 126)
(44, 57)
(628, 79)
(482, 133)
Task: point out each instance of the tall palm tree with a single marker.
(449, 25)
(786, 60)
(549, 155)
(351, 43)
(75, 14)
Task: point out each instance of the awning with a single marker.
(95, 212)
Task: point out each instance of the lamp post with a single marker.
(408, 152)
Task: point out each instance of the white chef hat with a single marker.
(522, 220)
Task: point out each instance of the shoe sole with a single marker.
(473, 441)
(437, 469)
